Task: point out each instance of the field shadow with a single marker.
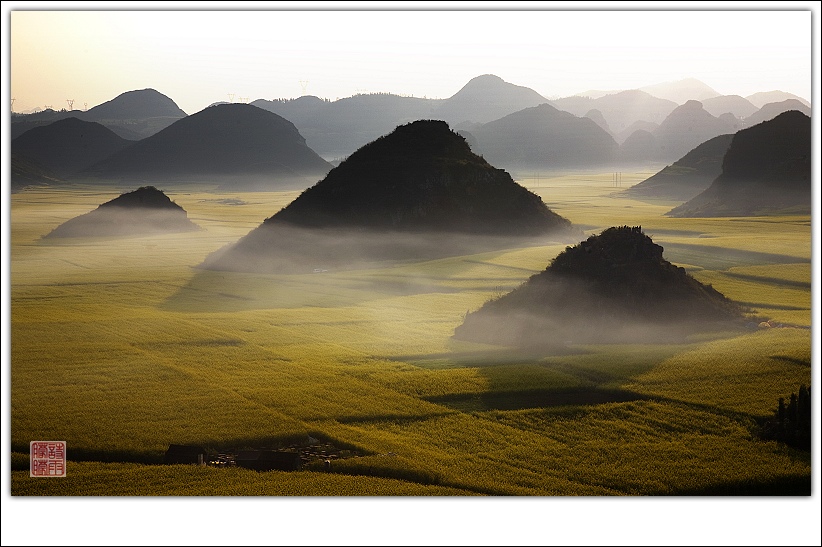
(221, 291)
(716, 258)
(482, 359)
(538, 398)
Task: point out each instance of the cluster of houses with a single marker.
(292, 458)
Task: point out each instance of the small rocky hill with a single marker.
(614, 287)
(146, 210)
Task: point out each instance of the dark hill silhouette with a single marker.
(146, 210)
(688, 176)
(611, 288)
(238, 145)
(772, 110)
(20, 123)
(734, 104)
(687, 127)
(764, 97)
(767, 170)
(546, 138)
(26, 172)
(69, 145)
(418, 191)
(486, 98)
(682, 91)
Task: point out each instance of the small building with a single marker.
(181, 453)
(268, 460)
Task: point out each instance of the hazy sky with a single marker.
(198, 57)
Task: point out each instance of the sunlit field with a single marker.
(121, 347)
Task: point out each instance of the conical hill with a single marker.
(614, 287)
(146, 210)
(417, 192)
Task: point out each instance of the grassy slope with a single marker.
(140, 350)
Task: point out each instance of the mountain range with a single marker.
(237, 145)
(647, 129)
(132, 115)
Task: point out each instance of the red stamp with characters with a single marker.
(47, 459)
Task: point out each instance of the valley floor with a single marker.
(121, 347)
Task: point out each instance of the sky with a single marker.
(203, 52)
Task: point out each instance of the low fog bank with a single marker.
(555, 311)
(114, 221)
(284, 248)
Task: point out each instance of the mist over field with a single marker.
(293, 249)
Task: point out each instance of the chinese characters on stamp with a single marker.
(47, 459)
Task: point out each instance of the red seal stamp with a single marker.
(47, 459)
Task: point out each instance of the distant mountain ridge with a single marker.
(734, 104)
(484, 99)
(688, 126)
(620, 109)
(682, 91)
(543, 137)
(138, 104)
(334, 129)
(239, 145)
(764, 97)
(770, 111)
(132, 115)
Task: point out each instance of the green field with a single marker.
(121, 347)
